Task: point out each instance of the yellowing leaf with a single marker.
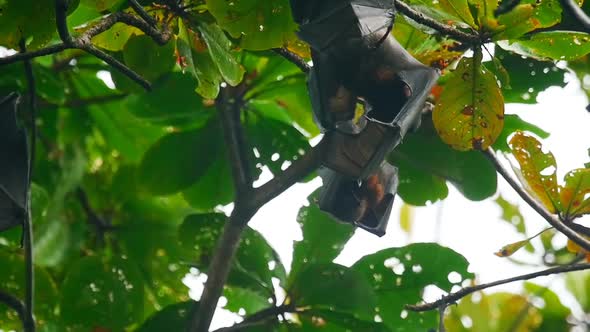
(510, 249)
(576, 249)
(406, 216)
(575, 193)
(470, 111)
(460, 9)
(537, 170)
(516, 22)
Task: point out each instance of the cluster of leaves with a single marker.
(128, 184)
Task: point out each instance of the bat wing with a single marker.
(342, 22)
(14, 165)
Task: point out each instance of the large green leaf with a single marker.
(219, 47)
(554, 313)
(172, 318)
(178, 160)
(512, 124)
(17, 15)
(172, 101)
(252, 269)
(529, 15)
(511, 312)
(147, 58)
(12, 281)
(323, 237)
(399, 276)
(260, 24)
(469, 113)
(578, 283)
(426, 163)
(334, 287)
(528, 77)
(554, 45)
(102, 294)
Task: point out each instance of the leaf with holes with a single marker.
(323, 237)
(575, 193)
(537, 170)
(399, 276)
(554, 45)
(98, 294)
(529, 15)
(470, 111)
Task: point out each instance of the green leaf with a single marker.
(511, 214)
(529, 15)
(537, 170)
(510, 312)
(172, 100)
(215, 187)
(12, 281)
(555, 45)
(470, 111)
(323, 237)
(425, 164)
(329, 285)
(178, 160)
(260, 24)
(98, 294)
(147, 58)
(460, 9)
(100, 5)
(172, 318)
(399, 275)
(244, 301)
(578, 283)
(275, 141)
(512, 124)
(251, 267)
(19, 14)
(554, 313)
(528, 77)
(197, 62)
(115, 38)
(220, 50)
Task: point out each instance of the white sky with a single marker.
(473, 229)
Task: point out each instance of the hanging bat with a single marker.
(14, 166)
(366, 204)
(356, 58)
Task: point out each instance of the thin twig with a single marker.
(572, 7)
(448, 30)
(142, 13)
(83, 42)
(294, 58)
(259, 318)
(15, 304)
(454, 297)
(29, 322)
(532, 202)
(441, 318)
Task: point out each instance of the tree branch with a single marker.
(259, 317)
(572, 7)
(142, 13)
(294, 58)
(454, 297)
(448, 30)
(532, 202)
(83, 42)
(15, 304)
(29, 321)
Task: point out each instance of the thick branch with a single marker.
(259, 317)
(218, 271)
(235, 142)
(142, 13)
(298, 170)
(29, 322)
(448, 30)
(532, 202)
(454, 297)
(15, 304)
(577, 12)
